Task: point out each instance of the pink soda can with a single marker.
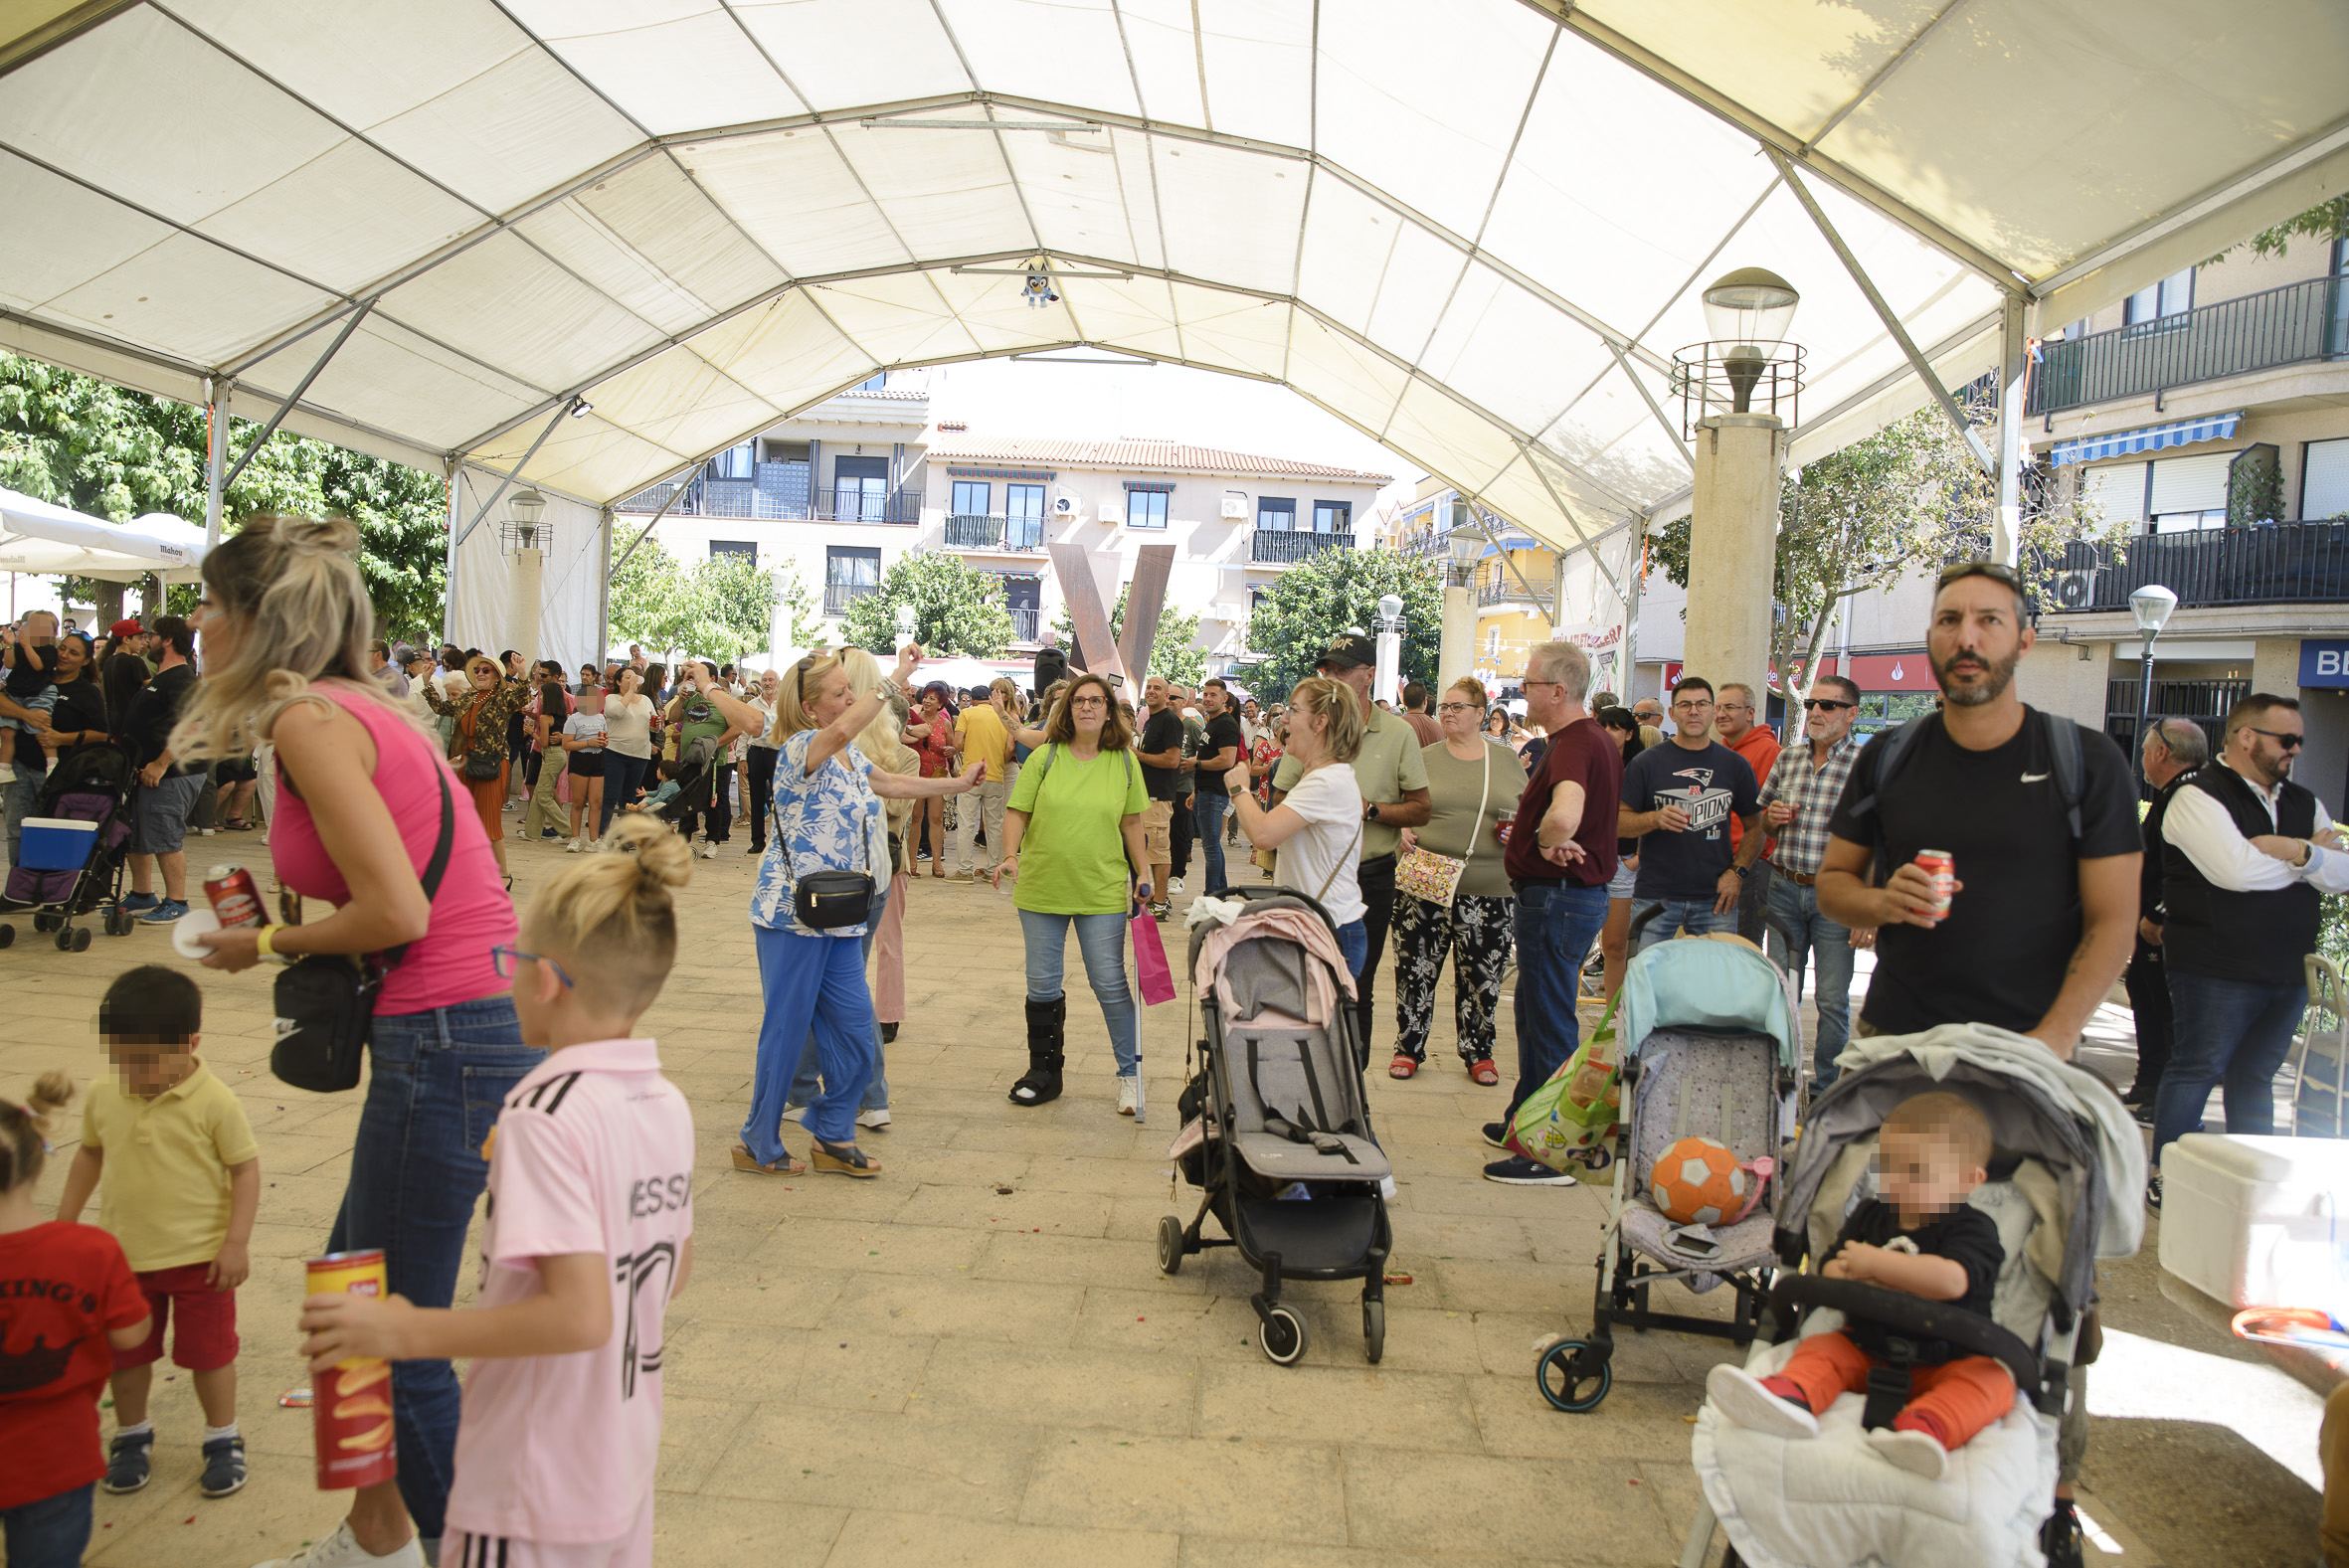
(1941, 867)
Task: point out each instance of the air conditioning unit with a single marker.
(1111, 512)
(1236, 506)
(1064, 506)
(2073, 589)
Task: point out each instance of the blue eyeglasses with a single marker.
(504, 955)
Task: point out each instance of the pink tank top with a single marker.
(472, 911)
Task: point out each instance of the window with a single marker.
(1333, 517)
(733, 463)
(734, 547)
(848, 566)
(2173, 295)
(861, 489)
(2324, 479)
(972, 498)
(1275, 513)
(875, 384)
(1145, 508)
(1023, 512)
(1258, 599)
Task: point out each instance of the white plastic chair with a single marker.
(2319, 1091)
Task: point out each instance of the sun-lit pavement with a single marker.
(974, 1358)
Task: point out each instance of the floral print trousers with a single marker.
(1476, 933)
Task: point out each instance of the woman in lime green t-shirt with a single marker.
(1072, 832)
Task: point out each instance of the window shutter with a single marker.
(2325, 487)
(2117, 490)
(2191, 485)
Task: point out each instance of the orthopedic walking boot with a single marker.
(1041, 1081)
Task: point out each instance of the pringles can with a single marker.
(1941, 867)
(352, 1399)
(235, 901)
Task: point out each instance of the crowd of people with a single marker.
(1451, 826)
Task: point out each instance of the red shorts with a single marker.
(207, 1337)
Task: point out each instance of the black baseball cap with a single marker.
(1347, 651)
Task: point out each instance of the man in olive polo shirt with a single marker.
(1393, 782)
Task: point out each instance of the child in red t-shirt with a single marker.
(68, 1302)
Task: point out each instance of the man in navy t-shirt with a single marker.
(1677, 799)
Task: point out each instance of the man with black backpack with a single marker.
(2038, 816)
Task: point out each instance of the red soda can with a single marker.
(352, 1399)
(1941, 867)
(234, 898)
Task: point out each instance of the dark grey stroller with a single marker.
(1276, 1128)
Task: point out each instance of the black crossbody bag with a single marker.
(828, 900)
(325, 1001)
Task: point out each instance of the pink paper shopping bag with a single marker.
(1149, 961)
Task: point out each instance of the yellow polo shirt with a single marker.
(985, 739)
(164, 1189)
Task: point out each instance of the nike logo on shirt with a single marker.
(2033, 777)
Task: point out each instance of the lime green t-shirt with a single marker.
(1072, 858)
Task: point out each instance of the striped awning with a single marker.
(2150, 438)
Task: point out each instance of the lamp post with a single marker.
(1391, 649)
(1457, 647)
(2151, 605)
(905, 624)
(524, 582)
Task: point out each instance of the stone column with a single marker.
(1732, 547)
(1456, 652)
(523, 604)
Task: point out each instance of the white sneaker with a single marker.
(573, 847)
(6, 772)
(1915, 1452)
(342, 1550)
(1742, 1401)
(1174, 884)
(873, 1119)
(1129, 1096)
(709, 851)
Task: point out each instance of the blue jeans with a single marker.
(622, 774)
(1102, 941)
(1697, 914)
(2235, 1032)
(436, 1083)
(819, 982)
(808, 1080)
(1209, 811)
(1795, 913)
(1555, 924)
(1353, 940)
(50, 1533)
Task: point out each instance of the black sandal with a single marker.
(842, 1159)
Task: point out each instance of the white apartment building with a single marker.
(838, 495)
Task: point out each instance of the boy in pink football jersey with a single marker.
(587, 1238)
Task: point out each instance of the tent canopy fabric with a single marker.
(48, 540)
(1476, 231)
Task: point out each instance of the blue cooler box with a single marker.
(52, 843)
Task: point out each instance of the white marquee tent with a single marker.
(1475, 231)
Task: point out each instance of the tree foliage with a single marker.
(1175, 652)
(114, 453)
(2326, 221)
(957, 608)
(717, 609)
(1338, 590)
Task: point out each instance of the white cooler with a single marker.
(2257, 1221)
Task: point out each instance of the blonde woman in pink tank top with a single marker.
(285, 625)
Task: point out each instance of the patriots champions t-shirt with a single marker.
(1712, 785)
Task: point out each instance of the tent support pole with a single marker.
(2006, 532)
(455, 470)
(1889, 317)
(1648, 398)
(215, 452)
(505, 481)
(294, 396)
(603, 596)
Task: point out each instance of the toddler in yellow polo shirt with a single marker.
(181, 1181)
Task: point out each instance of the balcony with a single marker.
(1282, 547)
(838, 596)
(1023, 624)
(2264, 564)
(778, 494)
(2298, 323)
(968, 531)
(1507, 594)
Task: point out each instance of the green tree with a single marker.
(654, 601)
(735, 600)
(1175, 654)
(2325, 221)
(114, 453)
(957, 608)
(1338, 590)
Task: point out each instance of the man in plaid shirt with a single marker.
(1797, 800)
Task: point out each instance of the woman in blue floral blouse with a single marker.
(829, 817)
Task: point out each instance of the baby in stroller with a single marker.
(1921, 1239)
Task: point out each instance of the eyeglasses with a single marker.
(2284, 738)
(1827, 703)
(1528, 685)
(504, 955)
(1455, 707)
(1697, 706)
(1088, 702)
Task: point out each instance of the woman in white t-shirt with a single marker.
(583, 734)
(1317, 827)
(628, 742)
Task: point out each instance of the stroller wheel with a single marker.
(1373, 1330)
(1575, 1375)
(1282, 1334)
(64, 940)
(121, 922)
(1169, 1245)
(7, 935)
(80, 939)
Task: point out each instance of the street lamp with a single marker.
(524, 507)
(905, 624)
(2151, 605)
(1391, 647)
(1468, 548)
(1747, 313)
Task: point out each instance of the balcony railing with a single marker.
(2307, 320)
(2264, 564)
(1281, 547)
(1507, 593)
(969, 531)
(838, 596)
(774, 496)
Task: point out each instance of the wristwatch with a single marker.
(1742, 872)
(1370, 811)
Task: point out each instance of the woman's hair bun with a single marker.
(318, 535)
(663, 858)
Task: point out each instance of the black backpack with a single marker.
(2060, 735)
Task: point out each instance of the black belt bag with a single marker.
(325, 1001)
(828, 900)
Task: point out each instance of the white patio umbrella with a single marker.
(49, 540)
(962, 673)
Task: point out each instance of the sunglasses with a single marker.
(1828, 703)
(1989, 569)
(2284, 738)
